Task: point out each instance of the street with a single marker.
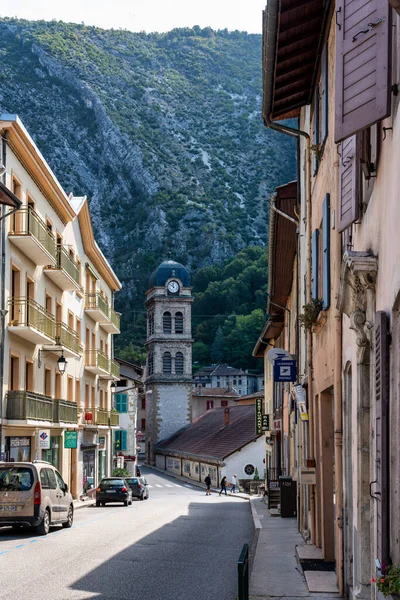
(178, 544)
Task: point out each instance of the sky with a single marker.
(143, 15)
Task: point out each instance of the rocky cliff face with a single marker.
(163, 132)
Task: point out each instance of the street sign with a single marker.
(44, 439)
(265, 422)
(259, 406)
(70, 439)
(285, 370)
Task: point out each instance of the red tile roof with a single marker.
(208, 437)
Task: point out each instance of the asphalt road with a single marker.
(177, 545)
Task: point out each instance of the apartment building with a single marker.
(335, 67)
(57, 350)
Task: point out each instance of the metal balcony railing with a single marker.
(65, 336)
(22, 405)
(97, 359)
(65, 411)
(25, 311)
(27, 222)
(102, 416)
(114, 419)
(66, 262)
(115, 318)
(95, 301)
(114, 368)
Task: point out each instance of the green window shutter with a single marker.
(123, 439)
(121, 403)
(117, 441)
(326, 249)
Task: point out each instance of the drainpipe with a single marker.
(272, 12)
(3, 312)
(337, 419)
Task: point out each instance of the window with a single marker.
(143, 403)
(60, 481)
(150, 323)
(249, 469)
(167, 322)
(151, 363)
(48, 479)
(120, 440)
(167, 362)
(121, 403)
(178, 322)
(224, 402)
(209, 404)
(326, 266)
(122, 383)
(315, 264)
(143, 424)
(47, 382)
(179, 363)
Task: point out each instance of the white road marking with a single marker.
(168, 485)
(177, 485)
(149, 486)
(188, 486)
(158, 485)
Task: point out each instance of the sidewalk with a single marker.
(275, 571)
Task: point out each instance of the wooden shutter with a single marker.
(118, 402)
(326, 253)
(316, 130)
(363, 73)
(314, 263)
(123, 439)
(348, 208)
(324, 94)
(381, 433)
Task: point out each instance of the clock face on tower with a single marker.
(173, 287)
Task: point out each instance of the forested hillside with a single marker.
(162, 132)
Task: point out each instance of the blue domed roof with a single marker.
(168, 269)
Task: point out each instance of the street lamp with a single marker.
(61, 363)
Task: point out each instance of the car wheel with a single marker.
(98, 502)
(125, 502)
(142, 497)
(70, 518)
(44, 527)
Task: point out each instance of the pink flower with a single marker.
(373, 580)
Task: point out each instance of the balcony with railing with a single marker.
(97, 362)
(65, 273)
(31, 321)
(114, 419)
(28, 406)
(112, 324)
(96, 307)
(114, 369)
(65, 411)
(66, 340)
(31, 235)
(96, 417)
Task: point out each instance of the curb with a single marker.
(84, 504)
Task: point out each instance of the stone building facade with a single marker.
(169, 354)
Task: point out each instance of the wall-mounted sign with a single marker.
(44, 439)
(285, 370)
(70, 439)
(259, 405)
(265, 422)
(302, 411)
(307, 476)
(277, 425)
(300, 394)
(102, 442)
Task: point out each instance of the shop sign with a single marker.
(307, 476)
(70, 439)
(17, 442)
(259, 421)
(44, 439)
(265, 422)
(277, 424)
(285, 370)
(300, 394)
(102, 442)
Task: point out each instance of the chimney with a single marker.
(227, 418)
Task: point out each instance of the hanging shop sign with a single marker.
(285, 370)
(259, 422)
(70, 439)
(265, 422)
(300, 394)
(307, 476)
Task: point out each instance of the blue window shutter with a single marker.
(124, 403)
(316, 129)
(118, 402)
(117, 440)
(324, 93)
(123, 439)
(314, 263)
(326, 253)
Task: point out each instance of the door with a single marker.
(62, 496)
(49, 492)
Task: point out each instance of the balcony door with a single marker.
(15, 293)
(29, 386)
(47, 382)
(14, 373)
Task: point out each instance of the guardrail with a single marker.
(243, 573)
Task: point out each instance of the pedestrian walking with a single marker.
(208, 485)
(138, 472)
(233, 484)
(224, 483)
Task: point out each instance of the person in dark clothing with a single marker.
(224, 484)
(138, 472)
(207, 481)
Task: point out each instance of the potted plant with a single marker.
(309, 316)
(388, 582)
(88, 416)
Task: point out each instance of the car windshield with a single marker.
(15, 479)
(111, 483)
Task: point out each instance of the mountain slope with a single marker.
(161, 131)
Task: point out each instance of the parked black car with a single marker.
(113, 489)
(139, 487)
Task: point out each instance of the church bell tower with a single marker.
(169, 354)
